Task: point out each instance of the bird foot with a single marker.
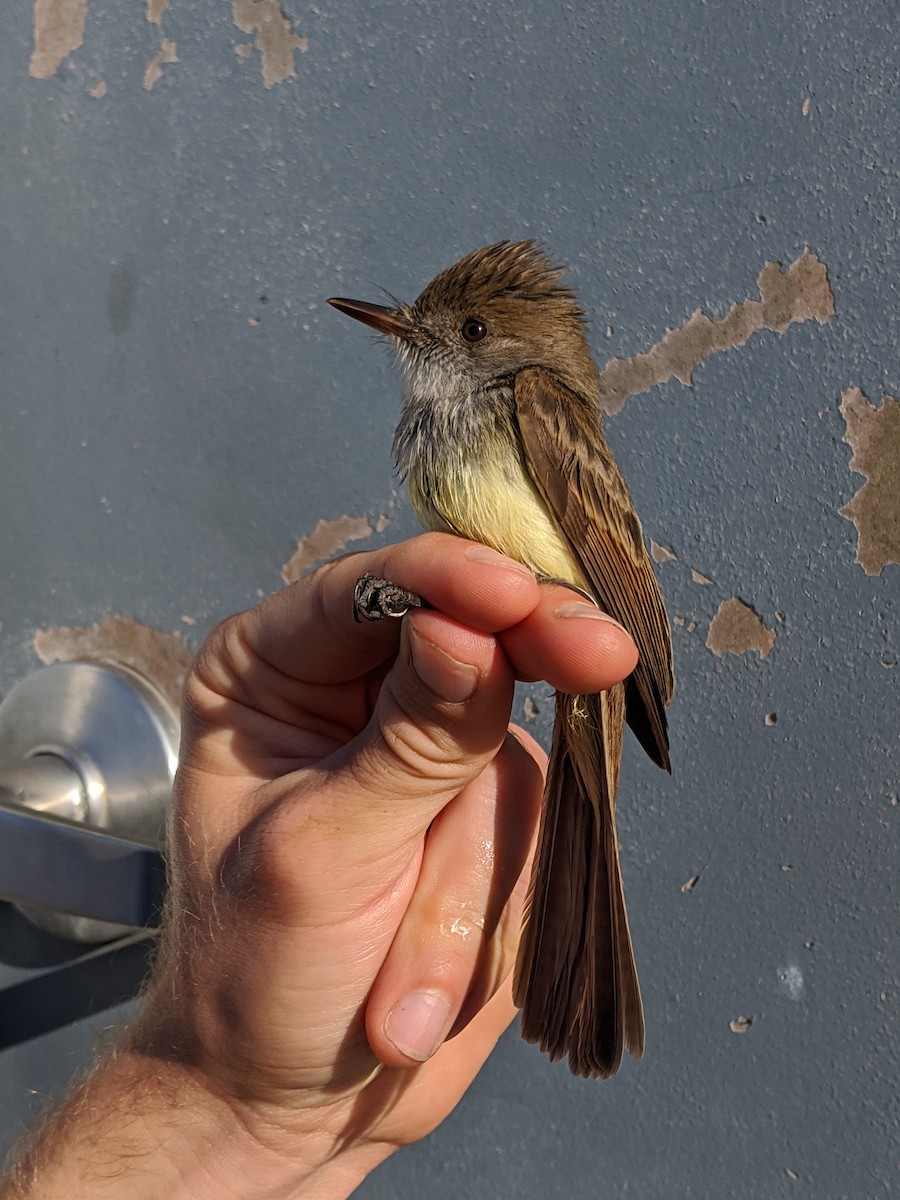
(376, 598)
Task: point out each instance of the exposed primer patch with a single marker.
(661, 553)
(326, 539)
(874, 436)
(58, 30)
(737, 629)
(162, 658)
(154, 71)
(786, 298)
(156, 10)
(276, 40)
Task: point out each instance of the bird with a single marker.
(500, 440)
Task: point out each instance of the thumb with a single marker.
(441, 716)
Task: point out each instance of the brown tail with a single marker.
(575, 977)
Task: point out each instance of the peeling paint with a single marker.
(58, 30)
(276, 40)
(529, 709)
(688, 886)
(156, 10)
(787, 298)
(162, 658)
(740, 1024)
(700, 578)
(98, 91)
(737, 629)
(661, 553)
(874, 436)
(154, 71)
(326, 539)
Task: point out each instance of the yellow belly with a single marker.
(494, 501)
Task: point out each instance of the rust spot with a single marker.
(58, 30)
(162, 658)
(276, 40)
(326, 539)
(786, 298)
(737, 629)
(661, 553)
(154, 71)
(874, 436)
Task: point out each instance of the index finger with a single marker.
(308, 632)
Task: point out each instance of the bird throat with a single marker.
(459, 451)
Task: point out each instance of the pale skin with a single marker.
(352, 826)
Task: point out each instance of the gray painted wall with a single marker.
(179, 407)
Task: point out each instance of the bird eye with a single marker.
(473, 330)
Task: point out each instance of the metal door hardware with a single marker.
(87, 759)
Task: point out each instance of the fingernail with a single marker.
(578, 608)
(484, 554)
(448, 678)
(418, 1023)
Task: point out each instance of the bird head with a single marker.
(493, 313)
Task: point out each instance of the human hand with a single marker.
(348, 850)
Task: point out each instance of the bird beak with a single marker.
(385, 320)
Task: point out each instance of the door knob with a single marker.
(87, 758)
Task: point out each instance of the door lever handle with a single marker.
(87, 758)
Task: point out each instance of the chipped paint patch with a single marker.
(276, 40)
(874, 436)
(58, 30)
(787, 298)
(661, 553)
(156, 10)
(326, 539)
(740, 1024)
(737, 629)
(154, 71)
(162, 658)
(699, 577)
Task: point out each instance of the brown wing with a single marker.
(583, 488)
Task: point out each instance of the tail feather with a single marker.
(575, 977)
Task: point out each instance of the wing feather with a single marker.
(575, 472)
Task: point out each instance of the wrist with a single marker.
(149, 1129)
